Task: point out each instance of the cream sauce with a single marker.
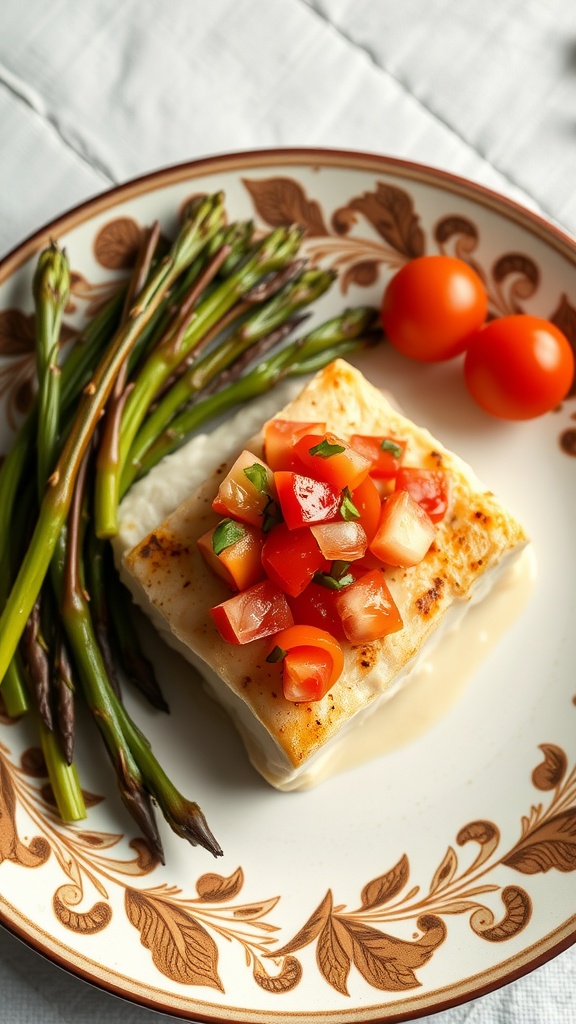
(438, 682)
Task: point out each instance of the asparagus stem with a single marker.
(272, 253)
(65, 705)
(51, 289)
(204, 224)
(340, 335)
(95, 684)
(308, 287)
(63, 778)
(56, 502)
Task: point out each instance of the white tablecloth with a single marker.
(93, 92)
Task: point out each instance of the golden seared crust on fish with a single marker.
(170, 579)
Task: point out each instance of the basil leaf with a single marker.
(226, 533)
(334, 582)
(257, 476)
(325, 450)
(388, 445)
(348, 509)
(276, 654)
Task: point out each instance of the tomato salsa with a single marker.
(305, 537)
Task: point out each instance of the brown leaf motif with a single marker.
(16, 332)
(11, 846)
(384, 961)
(282, 201)
(391, 212)
(445, 872)
(552, 769)
(384, 888)
(117, 242)
(310, 930)
(181, 947)
(550, 844)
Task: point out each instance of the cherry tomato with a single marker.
(518, 367)
(405, 531)
(291, 558)
(385, 454)
(429, 487)
(304, 500)
(315, 606)
(333, 460)
(239, 563)
(366, 499)
(312, 663)
(252, 614)
(280, 436)
(432, 307)
(367, 609)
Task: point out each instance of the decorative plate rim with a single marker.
(277, 156)
(508, 970)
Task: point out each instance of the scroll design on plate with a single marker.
(182, 933)
(390, 227)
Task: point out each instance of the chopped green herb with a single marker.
(257, 476)
(325, 450)
(348, 509)
(337, 578)
(390, 446)
(226, 534)
(271, 515)
(276, 654)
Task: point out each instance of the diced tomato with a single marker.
(312, 662)
(429, 487)
(316, 606)
(246, 491)
(367, 609)
(239, 564)
(280, 436)
(252, 614)
(405, 531)
(305, 501)
(341, 540)
(291, 557)
(331, 459)
(366, 498)
(385, 454)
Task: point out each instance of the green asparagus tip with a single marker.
(52, 275)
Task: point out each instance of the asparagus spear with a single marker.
(307, 287)
(273, 252)
(345, 333)
(56, 502)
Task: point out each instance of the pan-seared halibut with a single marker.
(171, 582)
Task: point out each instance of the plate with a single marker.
(427, 876)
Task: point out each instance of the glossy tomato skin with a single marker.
(519, 367)
(429, 487)
(304, 500)
(291, 558)
(432, 307)
(252, 614)
(313, 662)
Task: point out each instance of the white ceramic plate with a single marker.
(421, 879)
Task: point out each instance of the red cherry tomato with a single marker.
(519, 367)
(432, 307)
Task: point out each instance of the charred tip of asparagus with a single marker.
(190, 824)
